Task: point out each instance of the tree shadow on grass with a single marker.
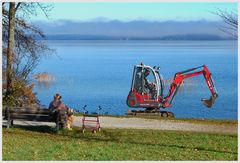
(107, 136)
(40, 128)
(116, 137)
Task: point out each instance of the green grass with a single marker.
(41, 143)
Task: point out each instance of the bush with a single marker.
(21, 94)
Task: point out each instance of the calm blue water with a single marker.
(99, 73)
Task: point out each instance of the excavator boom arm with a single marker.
(179, 78)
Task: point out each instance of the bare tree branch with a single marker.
(231, 20)
(19, 3)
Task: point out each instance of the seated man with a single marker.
(149, 88)
(153, 91)
(56, 105)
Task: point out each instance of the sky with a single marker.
(160, 11)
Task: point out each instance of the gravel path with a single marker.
(140, 123)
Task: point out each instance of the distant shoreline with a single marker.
(189, 37)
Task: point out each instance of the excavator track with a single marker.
(160, 113)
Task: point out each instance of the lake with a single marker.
(97, 73)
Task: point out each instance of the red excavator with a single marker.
(147, 89)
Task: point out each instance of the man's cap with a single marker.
(57, 96)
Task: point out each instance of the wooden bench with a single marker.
(34, 114)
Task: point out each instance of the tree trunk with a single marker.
(10, 49)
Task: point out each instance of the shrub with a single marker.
(21, 94)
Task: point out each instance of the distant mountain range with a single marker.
(132, 30)
(170, 37)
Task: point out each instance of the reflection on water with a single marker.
(44, 80)
(44, 76)
(43, 84)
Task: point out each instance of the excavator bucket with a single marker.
(209, 102)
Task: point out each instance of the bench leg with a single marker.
(57, 121)
(9, 123)
(9, 120)
(57, 125)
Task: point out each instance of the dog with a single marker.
(70, 119)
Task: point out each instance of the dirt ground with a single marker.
(140, 123)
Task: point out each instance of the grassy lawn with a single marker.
(41, 143)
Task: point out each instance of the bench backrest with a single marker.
(31, 114)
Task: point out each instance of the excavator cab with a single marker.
(145, 83)
(146, 87)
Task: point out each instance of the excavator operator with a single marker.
(149, 88)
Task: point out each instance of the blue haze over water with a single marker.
(100, 73)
